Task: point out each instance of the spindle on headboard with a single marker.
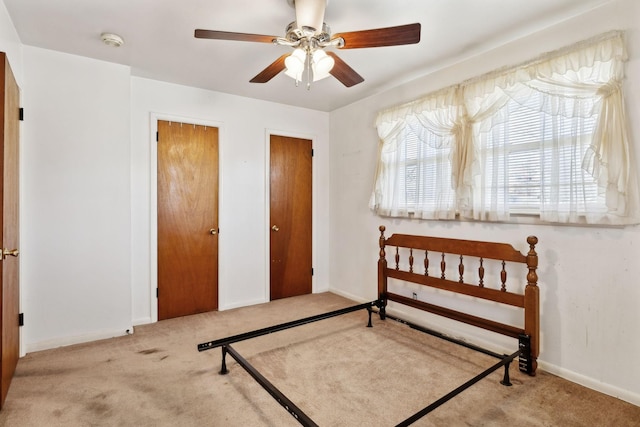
(397, 258)
(426, 263)
(410, 260)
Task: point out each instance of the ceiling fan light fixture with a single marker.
(296, 76)
(294, 64)
(295, 61)
(321, 64)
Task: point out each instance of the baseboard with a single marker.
(78, 339)
(347, 295)
(608, 389)
(224, 307)
(142, 321)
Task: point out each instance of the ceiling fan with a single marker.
(309, 35)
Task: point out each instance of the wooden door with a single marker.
(290, 214)
(10, 298)
(187, 219)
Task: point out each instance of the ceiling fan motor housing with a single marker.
(310, 16)
(295, 35)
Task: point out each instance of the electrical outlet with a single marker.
(415, 296)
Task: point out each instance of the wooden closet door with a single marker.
(10, 298)
(187, 219)
(290, 190)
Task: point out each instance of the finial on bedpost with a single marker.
(382, 240)
(532, 304)
(532, 261)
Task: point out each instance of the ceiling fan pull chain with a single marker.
(308, 69)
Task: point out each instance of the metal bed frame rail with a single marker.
(288, 325)
(284, 401)
(304, 419)
(505, 360)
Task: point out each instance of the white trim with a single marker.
(608, 389)
(244, 304)
(347, 295)
(22, 350)
(153, 201)
(142, 321)
(78, 339)
(314, 205)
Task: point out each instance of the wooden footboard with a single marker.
(426, 264)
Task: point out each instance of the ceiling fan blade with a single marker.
(271, 71)
(344, 73)
(226, 35)
(390, 36)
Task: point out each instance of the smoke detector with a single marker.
(111, 39)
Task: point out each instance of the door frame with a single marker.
(153, 201)
(267, 216)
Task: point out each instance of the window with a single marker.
(426, 174)
(533, 160)
(545, 138)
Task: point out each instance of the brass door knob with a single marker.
(275, 228)
(13, 252)
(213, 231)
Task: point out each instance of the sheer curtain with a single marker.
(414, 168)
(562, 92)
(550, 133)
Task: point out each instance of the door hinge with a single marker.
(312, 271)
(21, 114)
(21, 319)
(157, 136)
(312, 152)
(156, 292)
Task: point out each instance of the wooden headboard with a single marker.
(426, 264)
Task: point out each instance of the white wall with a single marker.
(588, 276)
(76, 208)
(88, 221)
(244, 229)
(10, 43)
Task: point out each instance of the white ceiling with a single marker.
(159, 41)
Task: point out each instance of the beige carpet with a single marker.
(338, 371)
